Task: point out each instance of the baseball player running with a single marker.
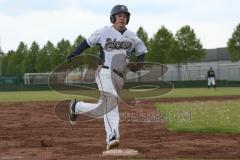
(211, 78)
(116, 44)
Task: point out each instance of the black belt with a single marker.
(115, 71)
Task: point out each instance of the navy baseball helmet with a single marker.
(118, 9)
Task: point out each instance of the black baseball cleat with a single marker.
(73, 115)
(113, 143)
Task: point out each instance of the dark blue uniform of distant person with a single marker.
(211, 78)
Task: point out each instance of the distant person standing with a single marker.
(211, 78)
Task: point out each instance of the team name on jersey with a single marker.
(114, 44)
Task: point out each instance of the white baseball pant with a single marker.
(211, 80)
(109, 84)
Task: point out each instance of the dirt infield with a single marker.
(33, 131)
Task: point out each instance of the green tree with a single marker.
(63, 49)
(43, 60)
(3, 65)
(1, 52)
(1, 61)
(189, 47)
(46, 58)
(34, 51)
(15, 60)
(160, 46)
(51, 52)
(11, 60)
(233, 44)
(29, 59)
(175, 56)
(142, 34)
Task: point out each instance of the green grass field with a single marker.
(39, 96)
(195, 92)
(208, 117)
(26, 96)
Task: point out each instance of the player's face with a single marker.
(121, 21)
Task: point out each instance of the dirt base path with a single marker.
(33, 131)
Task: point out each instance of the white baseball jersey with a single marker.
(116, 47)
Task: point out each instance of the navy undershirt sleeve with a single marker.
(140, 58)
(82, 47)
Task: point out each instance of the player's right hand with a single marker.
(70, 56)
